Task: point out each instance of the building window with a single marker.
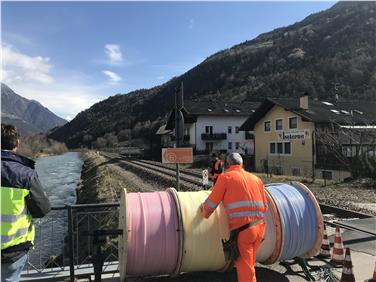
(296, 171)
(277, 170)
(267, 126)
(326, 174)
(280, 148)
(230, 145)
(279, 124)
(272, 148)
(293, 122)
(237, 145)
(229, 129)
(236, 129)
(287, 148)
(209, 129)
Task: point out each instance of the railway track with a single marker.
(185, 176)
(196, 179)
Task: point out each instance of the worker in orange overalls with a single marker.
(216, 167)
(244, 200)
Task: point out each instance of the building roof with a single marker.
(211, 108)
(192, 109)
(341, 112)
(163, 131)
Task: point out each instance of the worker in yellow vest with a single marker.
(22, 198)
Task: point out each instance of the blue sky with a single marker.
(69, 55)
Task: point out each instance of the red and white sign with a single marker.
(177, 155)
(205, 177)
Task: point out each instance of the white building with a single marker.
(214, 127)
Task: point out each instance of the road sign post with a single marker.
(179, 126)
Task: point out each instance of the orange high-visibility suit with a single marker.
(244, 200)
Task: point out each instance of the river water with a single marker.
(59, 176)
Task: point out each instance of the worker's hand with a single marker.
(204, 213)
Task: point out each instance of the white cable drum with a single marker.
(267, 246)
(270, 248)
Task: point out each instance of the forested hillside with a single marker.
(328, 53)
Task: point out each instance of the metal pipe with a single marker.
(70, 242)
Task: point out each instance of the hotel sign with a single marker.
(291, 135)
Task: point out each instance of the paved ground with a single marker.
(363, 254)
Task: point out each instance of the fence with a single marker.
(64, 242)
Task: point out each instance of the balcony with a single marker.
(213, 136)
(249, 135)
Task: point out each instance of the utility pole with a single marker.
(179, 126)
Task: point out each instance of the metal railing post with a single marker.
(71, 242)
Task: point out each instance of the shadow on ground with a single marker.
(263, 275)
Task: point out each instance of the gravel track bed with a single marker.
(151, 166)
(159, 180)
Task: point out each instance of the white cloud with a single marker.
(113, 52)
(65, 95)
(22, 67)
(191, 23)
(161, 77)
(114, 78)
(63, 99)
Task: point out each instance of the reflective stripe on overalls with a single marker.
(16, 225)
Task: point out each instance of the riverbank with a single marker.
(39, 145)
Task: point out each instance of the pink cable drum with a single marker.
(153, 234)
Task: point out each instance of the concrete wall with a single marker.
(337, 175)
(299, 162)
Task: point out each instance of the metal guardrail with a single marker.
(64, 241)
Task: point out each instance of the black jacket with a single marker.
(19, 172)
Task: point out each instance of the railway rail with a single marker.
(185, 176)
(196, 179)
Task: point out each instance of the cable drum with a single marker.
(153, 234)
(271, 247)
(202, 247)
(164, 232)
(301, 219)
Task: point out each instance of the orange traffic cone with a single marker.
(338, 256)
(373, 279)
(325, 247)
(347, 272)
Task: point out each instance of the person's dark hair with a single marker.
(9, 136)
(214, 155)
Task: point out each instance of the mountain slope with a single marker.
(28, 115)
(328, 53)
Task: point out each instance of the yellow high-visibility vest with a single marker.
(16, 225)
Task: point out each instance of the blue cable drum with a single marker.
(301, 219)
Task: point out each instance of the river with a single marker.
(59, 176)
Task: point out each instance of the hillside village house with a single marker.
(214, 126)
(166, 137)
(312, 138)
